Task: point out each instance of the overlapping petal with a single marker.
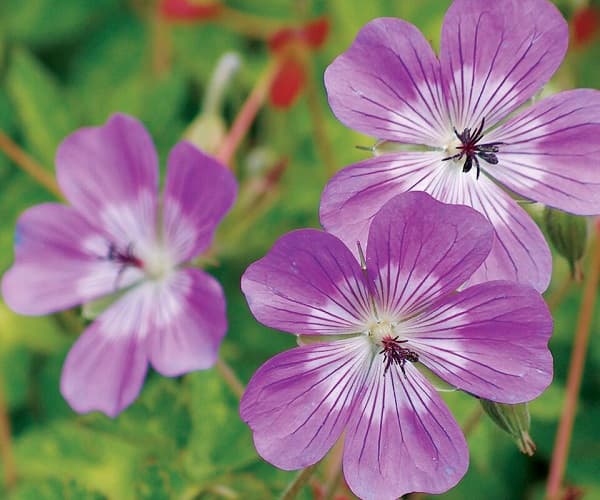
(496, 55)
(550, 152)
(490, 340)
(420, 249)
(110, 175)
(520, 252)
(60, 262)
(387, 84)
(402, 438)
(298, 403)
(188, 322)
(356, 193)
(308, 283)
(198, 192)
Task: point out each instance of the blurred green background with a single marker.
(69, 63)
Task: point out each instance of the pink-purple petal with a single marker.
(60, 262)
(356, 193)
(490, 340)
(520, 252)
(106, 367)
(110, 175)
(198, 192)
(550, 152)
(420, 249)
(387, 84)
(298, 403)
(188, 322)
(401, 438)
(309, 283)
(496, 55)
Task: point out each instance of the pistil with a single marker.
(469, 149)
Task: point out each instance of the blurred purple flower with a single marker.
(118, 236)
(494, 56)
(376, 324)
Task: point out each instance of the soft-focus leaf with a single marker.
(55, 489)
(40, 104)
(225, 444)
(50, 21)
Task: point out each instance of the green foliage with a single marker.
(40, 105)
(50, 21)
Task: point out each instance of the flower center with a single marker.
(468, 147)
(382, 334)
(155, 265)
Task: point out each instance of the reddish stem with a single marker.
(577, 363)
(230, 378)
(247, 115)
(28, 164)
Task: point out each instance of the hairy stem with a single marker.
(246, 116)
(565, 428)
(28, 165)
(299, 481)
(230, 378)
(333, 470)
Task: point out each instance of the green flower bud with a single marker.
(513, 419)
(568, 235)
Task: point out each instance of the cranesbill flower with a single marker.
(494, 56)
(117, 236)
(371, 328)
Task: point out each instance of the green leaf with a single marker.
(162, 407)
(55, 489)
(49, 21)
(65, 450)
(220, 442)
(157, 480)
(40, 105)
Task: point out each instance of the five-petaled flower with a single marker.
(372, 326)
(494, 56)
(119, 237)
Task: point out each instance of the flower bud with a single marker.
(568, 235)
(513, 419)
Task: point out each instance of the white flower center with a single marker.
(451, 148)
(157, 263)
(380, 330)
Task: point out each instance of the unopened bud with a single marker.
(568, 235)
(513, 419)
(206, 132)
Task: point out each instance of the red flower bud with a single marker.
(289, 44)
(585, 24)
(288, 83)
(312, 35)
(189, 10)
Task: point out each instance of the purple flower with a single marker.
(494, 56)
(118, 236)
(376, 325)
